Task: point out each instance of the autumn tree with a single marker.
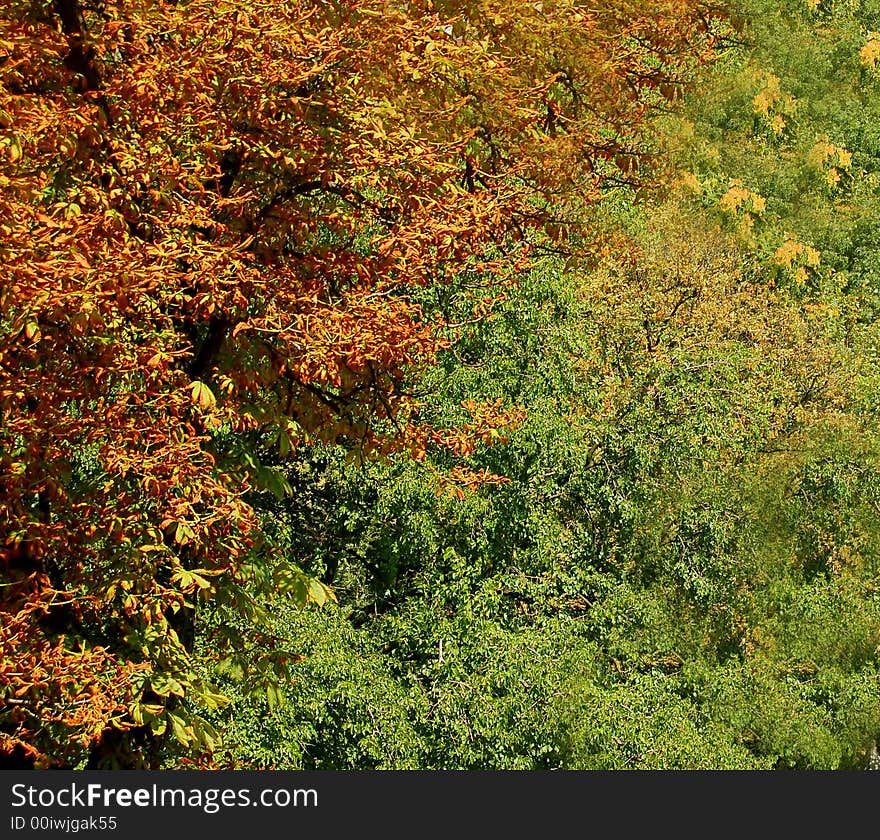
(214, 222)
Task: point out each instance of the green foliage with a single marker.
(630, 598)
(683, 567)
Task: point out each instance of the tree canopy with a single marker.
(439, 384)
(219, 225)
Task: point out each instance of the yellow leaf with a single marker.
(319, 593)
(202, 395)
(870, 52)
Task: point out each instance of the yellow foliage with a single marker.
(791, 251)
(797, 259)
(870, 52)
(824, 153)
(763, 102)
(744, 205)
(786, 253)
(768, 96)
(733, 198)
(772, 105)
(691, 183)
(740, 198)
(831, 159)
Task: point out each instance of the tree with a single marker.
(682, 570)
(214, 221)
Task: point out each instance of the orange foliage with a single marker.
(213, 216)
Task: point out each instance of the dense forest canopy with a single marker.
(439, 384)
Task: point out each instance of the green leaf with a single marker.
(319, 593)
(274, 696)
(182, 731)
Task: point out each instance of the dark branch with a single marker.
(218, 329)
